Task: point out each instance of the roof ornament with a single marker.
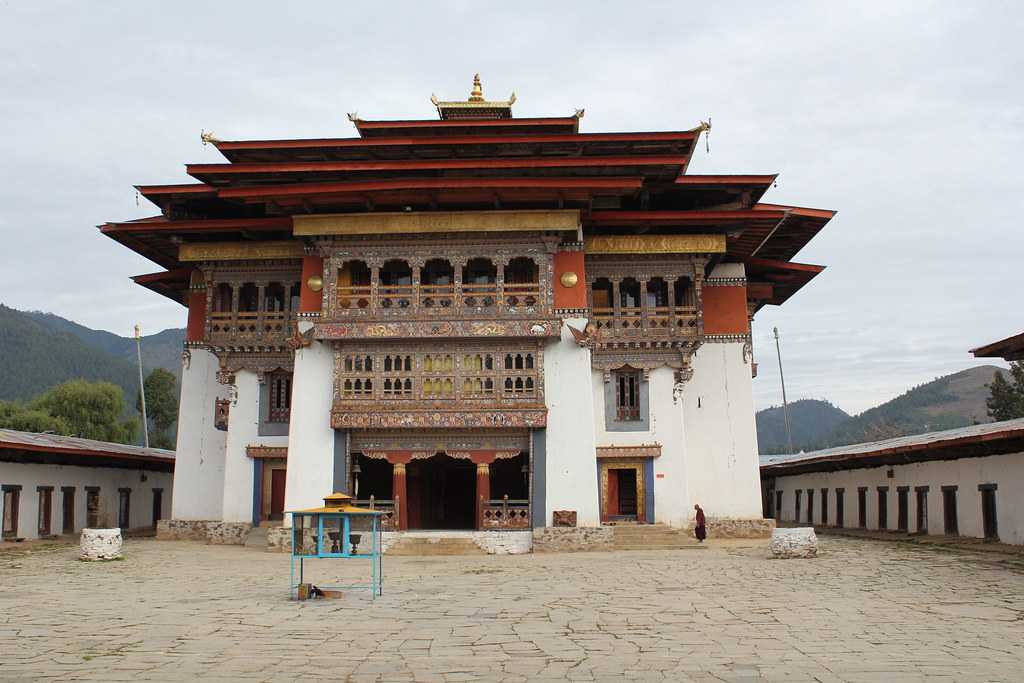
(353, 116)
(579, 113)
(477, 95)
(704, 127)
(208, 138)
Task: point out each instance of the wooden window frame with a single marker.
(44, 512)
(627, 407)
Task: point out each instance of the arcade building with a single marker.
(478, 322)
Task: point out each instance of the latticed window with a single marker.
(627, 395)
(280, 386)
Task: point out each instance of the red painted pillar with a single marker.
(483, 460)
(400, 494)
(399, 491)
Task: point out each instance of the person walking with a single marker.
(699, 530)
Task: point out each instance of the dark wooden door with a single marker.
(68, 516)
(902, 511)
(862, 508)
(45, 511)
(922, 512)
(840, 522)
(10, 513)
(988, 514)
(952, 527)
(277, 482)
(158, 505)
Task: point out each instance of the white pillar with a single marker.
(721, 437)
(310, 436)
(199, 461)
(243, 425)
(570, 453)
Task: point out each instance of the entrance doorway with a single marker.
(622, 492)
(441, 492)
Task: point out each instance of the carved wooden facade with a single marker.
(251, 304)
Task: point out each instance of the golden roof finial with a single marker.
(478, 92)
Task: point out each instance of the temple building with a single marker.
(475, 322)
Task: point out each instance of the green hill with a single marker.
(41, 350)
(947, 402)
(811, 421)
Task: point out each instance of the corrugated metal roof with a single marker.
(899, 442)
(56, 443)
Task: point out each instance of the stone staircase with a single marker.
(433, 545)
(257, 537)
(652, 537)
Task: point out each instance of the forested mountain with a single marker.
(947, 402)
(40, 350)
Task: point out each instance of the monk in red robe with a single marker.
(699, 530)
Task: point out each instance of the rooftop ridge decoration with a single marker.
(476, 107)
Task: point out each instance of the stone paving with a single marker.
(860, 611)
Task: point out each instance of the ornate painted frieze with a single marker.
(435, 441)
(267, 452)
(655, 244)
(438, 329)
(232, 362)
(618, 452)
(391, 417)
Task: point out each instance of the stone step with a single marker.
(413, 545)
(257, 538)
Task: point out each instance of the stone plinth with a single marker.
(549, 539)
(789, 543)
(227, 533)
(181, 530)
(735, 527)
(100, 544)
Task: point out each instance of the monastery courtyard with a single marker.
(863, 610)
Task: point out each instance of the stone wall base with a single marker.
(728, 527)
(562, 539)
(279, 539)
(210, 531)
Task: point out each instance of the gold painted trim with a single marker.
(239, 251)
(655, 244)
(641, 485)
(389, 223)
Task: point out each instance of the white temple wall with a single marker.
(109, 479)
(199, 460)
(720, 434)
(571, 469)
(1006, 471)
(671, 495)
(310, 436)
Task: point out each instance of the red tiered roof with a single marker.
(476, 159)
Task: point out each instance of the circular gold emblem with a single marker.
(569, 279)
(315, 282)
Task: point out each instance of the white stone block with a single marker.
(100, 544)
(789, 543)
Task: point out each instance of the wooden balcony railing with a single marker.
(654, 321)
(251, 326)
(437, 300)
(505, 514)
(389, 508)
(357, 298)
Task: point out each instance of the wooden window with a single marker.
(883, 507)
(810, 506)
(796, 510)
(840, 495)
(862, 507)
(951, 526)
(68, 511)
(45, 510)
(124, 508)
(92, 506)
(627, 395)
(989, 517)
(12, 497)
(280, 390)
(824, 506)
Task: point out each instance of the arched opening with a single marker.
(353, 285)
(657, 303)
(437, 283)
(629, 304)
(601, 301)
(248, 298)
(522, 282)
(479, 283)
(274, 298)
(683, 293)
(395, 284)
(222, 297)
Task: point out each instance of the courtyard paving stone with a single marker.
(861, 611)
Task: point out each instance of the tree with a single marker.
(91, 410)
(1006, 399)
(161, 406)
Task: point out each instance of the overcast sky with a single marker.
(907, 118)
